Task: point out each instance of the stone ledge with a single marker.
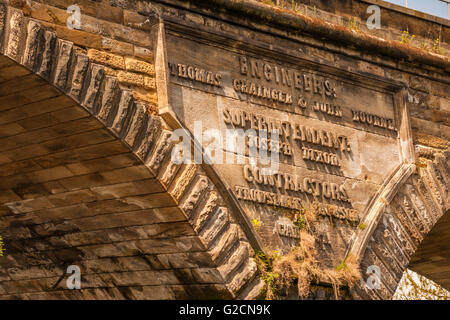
(298, 22)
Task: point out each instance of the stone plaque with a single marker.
(330, 140)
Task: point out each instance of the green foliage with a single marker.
(256, 224)
(1, 247)
(267, 260)
(437, 46)
(362, 226)
(269, 278)
(353, 24)
(275, 255)
(265, 266)
(269, 2)
(262, 256)
(406, 38)
(342, 266)
(295, 7)
(300, 222)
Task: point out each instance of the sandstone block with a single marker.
(130, 78)
(132, 64)
(110, 99)
(119, 47)
(16, 24)
(65, 49)
(34, 34)
(125, 111)
(78, 37)
(136, 20)
(143, 53)
(92, 91)
(109, 13)
(48, 54)
(106, 58)
(78, 75)
(149, 83)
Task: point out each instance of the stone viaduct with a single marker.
(90, 96)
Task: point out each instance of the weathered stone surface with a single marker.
(162, 149)
(217, 223)
(206, 212)
(149, 132)
(183, 181)
(245, 275)
(139, 66)
(239, 256)
(96, 75)
(195, 195)
(48, 53)
(87, 175)
(136, 123)
(34, 38)
(130, 78)
(3, 13)
(79, 75)
(62, 65)
(107, 59)
(125, 111)
(227, 241)
(110, 98)
(15, 25)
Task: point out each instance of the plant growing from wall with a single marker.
(268, 2)
(265, 267)
(295, 7)
(2, 249)
(301, 266)
(437, 46)
(353, 24)
(300, 222)
(256, 225)
(406, 38)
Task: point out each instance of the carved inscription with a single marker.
(296, 183)
(287, 230)
(289, 132)
(373, 120)
(272, 73)
(319, 120)
(195, 73)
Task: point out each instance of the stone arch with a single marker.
(214, 258)
(416, 207)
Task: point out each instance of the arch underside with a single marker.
(86, 178)
(411, 233)
(432, 259)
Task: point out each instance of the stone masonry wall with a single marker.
(394, 19)
(114, 34)
(117, 34)
(429, 107)
(111, 36)
(100, 228)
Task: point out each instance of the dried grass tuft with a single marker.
(301, 265)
